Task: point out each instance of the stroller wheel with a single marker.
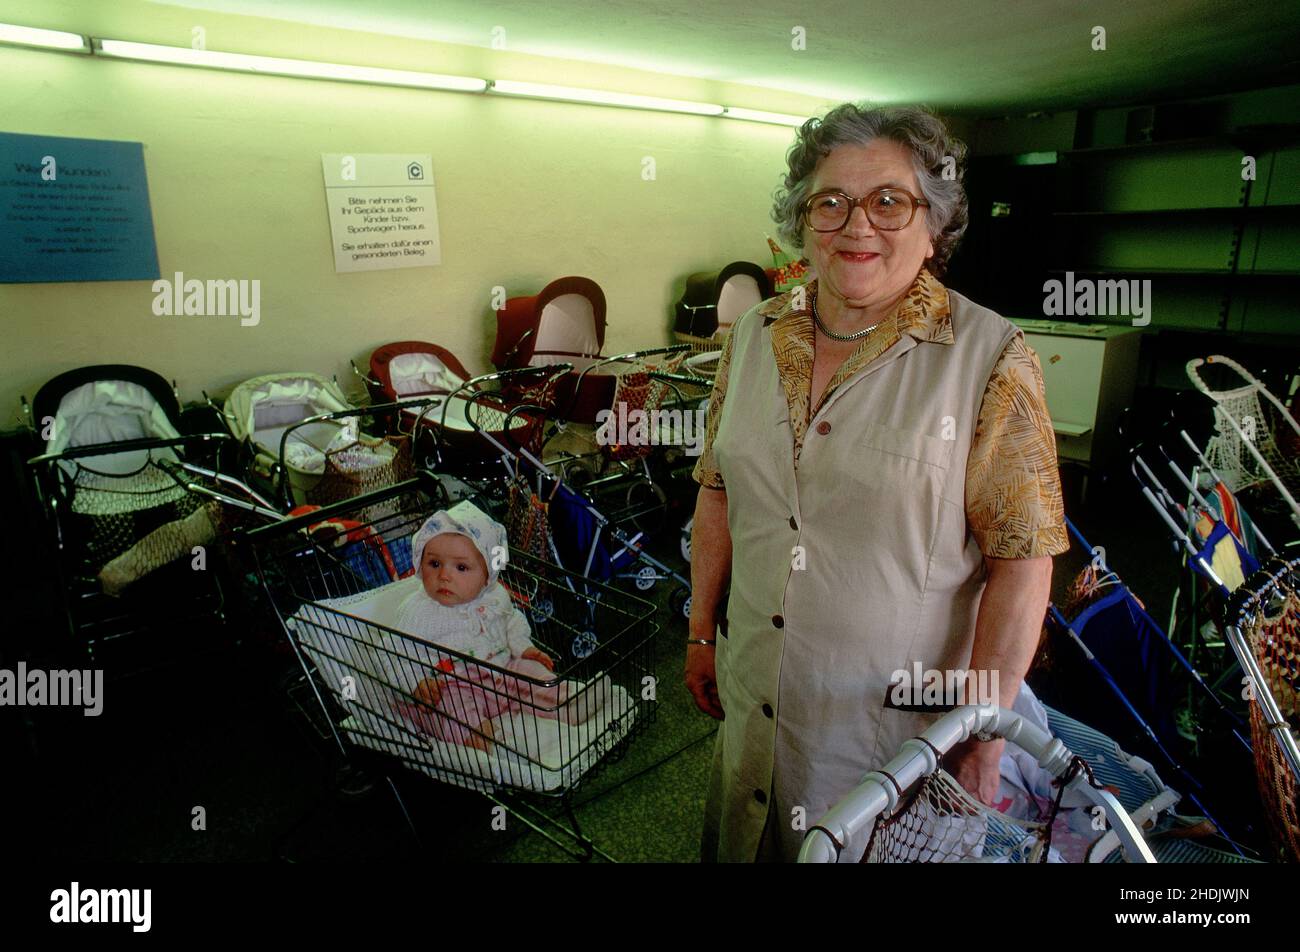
(646, 577)
(680, 602)
(686, 541)
(543, 607)
(584, 644)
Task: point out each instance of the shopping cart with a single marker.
(336, 577)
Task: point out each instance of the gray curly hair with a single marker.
(919, 130)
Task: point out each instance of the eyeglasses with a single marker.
(889, 209)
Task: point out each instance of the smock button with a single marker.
(778, 621)
(794, 525)
(760, 796)
(767, 710)
(823, 427)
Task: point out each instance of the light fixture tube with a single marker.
(276, 66)
(43, 39)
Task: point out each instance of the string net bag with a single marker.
(527, 525)
(636, 390)
(111, 512)
(695, 361)
(361, 467)
(1250, 425)
(1273, 635)
(940, 822)
(165, 544)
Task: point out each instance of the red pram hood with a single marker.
(523, 314)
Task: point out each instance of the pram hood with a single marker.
(413, 367)
(713, 300)
(567, 318)
(106, 410)
(279, 400)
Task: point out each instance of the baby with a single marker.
(463, 607)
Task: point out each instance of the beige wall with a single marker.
(526, 191)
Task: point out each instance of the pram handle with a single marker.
(126, 446)
(474, 391)
(362, 374)
(423, 480)
(510, 354)
(680, 378)
(619, 358)
(286, 490)
(881, 791)
(260, 504)
(1252, 383)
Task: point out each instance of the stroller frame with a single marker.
(1160, 745)
(881, 792)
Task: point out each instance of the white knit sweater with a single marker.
(489, 628)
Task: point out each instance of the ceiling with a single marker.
(980, 57)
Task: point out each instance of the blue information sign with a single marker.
(74, 210)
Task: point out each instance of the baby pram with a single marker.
(106, 433)
(446, 412)
(1264, 632)
(1256, 439)
(1116, 669)
(305, 442)
(564, 323)
(917, 813)
(337, 606)
(611, 461)
(710, 304)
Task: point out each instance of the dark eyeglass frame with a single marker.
(863, 201)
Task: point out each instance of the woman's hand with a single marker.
(541, 657)
(428, 692)
(974, 765)
(702, 680)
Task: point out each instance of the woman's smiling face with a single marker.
(862, 265)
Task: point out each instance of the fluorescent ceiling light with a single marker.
(44, 39)
(509, 87)
(275, 66)
(757, 115)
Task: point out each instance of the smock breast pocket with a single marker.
(883, 503)
(906, 445)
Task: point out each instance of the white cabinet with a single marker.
(1089, 372)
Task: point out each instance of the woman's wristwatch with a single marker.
(701, 641)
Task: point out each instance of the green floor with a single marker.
(648, 806)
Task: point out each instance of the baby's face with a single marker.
(452, 569)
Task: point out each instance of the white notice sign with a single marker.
(382, 211)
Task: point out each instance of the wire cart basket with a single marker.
(335, 578)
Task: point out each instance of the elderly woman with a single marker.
(878, 483)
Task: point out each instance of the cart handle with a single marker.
(125, 446)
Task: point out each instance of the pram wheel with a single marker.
(680, 602)
(686, 538)
(583, 644)
(646, 577)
